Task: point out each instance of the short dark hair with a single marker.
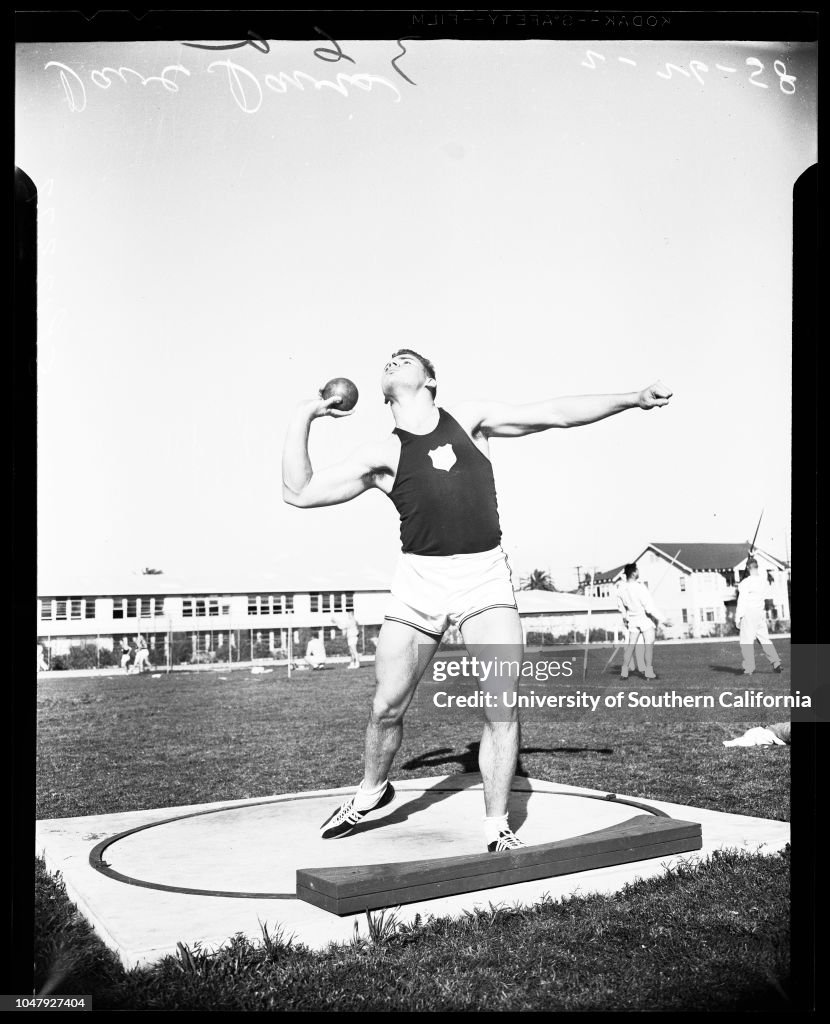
(750, 562)
(630, 569)
(427, 365)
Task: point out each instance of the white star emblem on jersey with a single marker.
(443, 457)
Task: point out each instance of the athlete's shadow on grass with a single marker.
(467, 779)
(730, 670)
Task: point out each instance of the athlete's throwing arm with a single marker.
(435, 468)
(372, 465)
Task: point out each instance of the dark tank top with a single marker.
(445, 493)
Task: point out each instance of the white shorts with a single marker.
(639, 624)
(431, 592)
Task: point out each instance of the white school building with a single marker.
(256, 614)
(245, 619)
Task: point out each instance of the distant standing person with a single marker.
(125, 654)
(347, 624)
(352, 637)
(142, 655)
(640, 618)
(751, 619)
(41, 660)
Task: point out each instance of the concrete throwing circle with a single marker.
(253, 850)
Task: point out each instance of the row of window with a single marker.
(332, 602)
(200, 607)
(137, 607)
(706, 614)
(60, 609)
(270, 604)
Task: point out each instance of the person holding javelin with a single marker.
(435, 468)
(640, 617)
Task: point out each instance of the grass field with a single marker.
(712, 937)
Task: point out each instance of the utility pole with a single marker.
(290, 617)
(587, 631)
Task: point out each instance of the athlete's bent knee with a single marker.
(385, 714)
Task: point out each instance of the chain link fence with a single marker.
(170, 649)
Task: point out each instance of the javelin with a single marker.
(757, 528)
(665, 574)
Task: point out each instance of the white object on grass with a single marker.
(756, 737)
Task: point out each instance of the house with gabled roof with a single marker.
(695, 584)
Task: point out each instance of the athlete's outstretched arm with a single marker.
(500, 419)
(301, 484)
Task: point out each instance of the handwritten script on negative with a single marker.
(246, 87)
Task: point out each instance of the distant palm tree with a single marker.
(538, 580)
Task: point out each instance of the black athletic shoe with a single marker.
(345, 819)
(506, 841)
(778, 668)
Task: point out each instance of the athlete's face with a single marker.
(403, 372)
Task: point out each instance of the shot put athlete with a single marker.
(435, 467)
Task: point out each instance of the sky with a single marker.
(216, 241)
